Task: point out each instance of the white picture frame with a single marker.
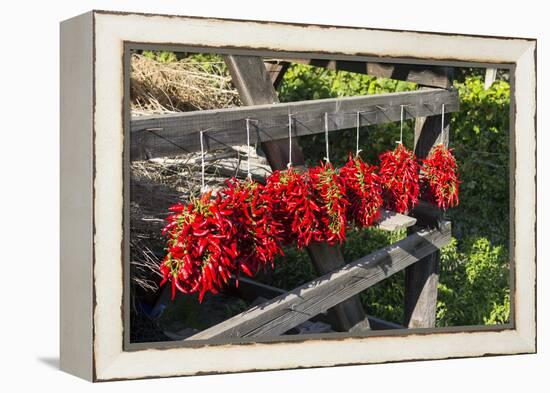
(92, 189)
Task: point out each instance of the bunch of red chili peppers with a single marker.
(259, 235)
(202, 246)
(330, 195)
(212, 240)
(364, 191)
(293, 206)
(440, 177)
(399, 174)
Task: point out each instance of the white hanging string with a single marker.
(327, 158)
(442, 118)
(358, 121)
(400, 141)
(203, 187)
(248, 174)
(289, 141)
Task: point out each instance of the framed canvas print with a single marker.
(246, 195)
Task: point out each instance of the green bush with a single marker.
(480, 137)
(474, 284)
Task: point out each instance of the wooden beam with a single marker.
(282, 313)
(422, 278)
(172, 134)
(254, 85)
(349, 315)
(381, 324)
(423, 75)
(251, 290)
(392, 221)
(276, 71)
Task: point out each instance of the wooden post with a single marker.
(255, 87)
(276, 71)
(421, 279)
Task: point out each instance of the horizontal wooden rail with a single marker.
(173, 134)
(393, 221)
(284, 312)
(250, 290)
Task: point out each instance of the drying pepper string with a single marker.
(442, 118)
(203, 188)
(289, 140)
(327, 158)
(248, 174)
(216, 271)
(358, 121)
(273, 125)
(401, 127)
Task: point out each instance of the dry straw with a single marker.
(179, 86)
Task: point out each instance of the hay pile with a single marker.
(179, 86)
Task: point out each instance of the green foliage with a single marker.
(210, 63)
(303, 82)
(480, 138)
(292, 270)
(160, 56)
(474, 284)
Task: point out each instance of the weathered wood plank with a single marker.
(255, 87)
(349, 314)
(286, 311)
(381, 324)
(422, 278)
(427, 215)
(392, 221)
(172, 134)
(253, 83)
(276, 71)
(424, 75)
(250, 290)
